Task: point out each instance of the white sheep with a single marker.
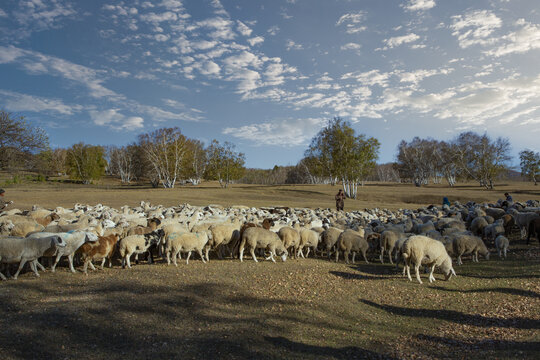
(136, 244)
(466, 244)
(290, 238)
(420, 250)
(259, 238)
(186, 242)
(18, 249)
(73, 240)
(351, 241)
(502, 243)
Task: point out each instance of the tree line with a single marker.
(166, 157)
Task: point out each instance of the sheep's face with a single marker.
(91, 237)
(284, 256)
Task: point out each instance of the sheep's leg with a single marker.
(241, 252)
(41, 267)
(188, 256)
(169, 256)
(346, 255)
(408, 267)
(381, 256)
(307, 252)
(91, 265)
(459, 262)
(21, 265)
(337, 255)
(85, 267)
(70, 261)
(201, 254)
(504, 253)
(499, 251)
(103, 263)
(206, 251)
(3, 277)
(431, 277)
(34, 267)
(417, 272)
(252, 251)
(110, 260)
(128, 262)
(301, 252)
(365, 257)
(272, 253)
(390, 255)
(53, 267)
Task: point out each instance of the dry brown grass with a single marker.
(300, 309)
(380, 195)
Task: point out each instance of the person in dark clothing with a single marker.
(340, 200)
(445, 201)
(509, 198)
(3, 203)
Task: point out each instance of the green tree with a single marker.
(480, 158)
(338, 153)
(19, 140)
(530, 164)
(224, 163)
(86, 162)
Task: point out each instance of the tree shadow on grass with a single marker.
(485, 345)
(458, 317)
(140, 319)
(511, 291)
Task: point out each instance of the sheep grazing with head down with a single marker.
(290, 238)
(329, 238)
(467, 244)
(502, 243)
(136, 244)
(420, 250)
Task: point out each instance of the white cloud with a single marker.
(369, 78)
(273, 30)
(399, 40)
(38, 15)
(286, 133)
(161, 37)
(9, 54)
(475, 28)
(222, 28)
(255, 40)
(114, 119)
(156, 19)
(218, 8)
(243, 28)
(210, 68)
(525, 39)
(3, 13)
(351, 46)
(352, 22)
(13, 101)
(419, 5)
(291, 45)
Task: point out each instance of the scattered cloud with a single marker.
(13, 101)
(353, 22)
(113, 119)
(291, 45)
(351, 46)
(525, 39)
(286, 133)
(419, 5)
(255, 40)
(475, 28)
(400, 40)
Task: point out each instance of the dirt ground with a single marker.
(299, 309)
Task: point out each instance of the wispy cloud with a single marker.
(475, 28)
(525, 39)
(353, 22)
(14, 101)
(114, 119)
(400, 40)
(419, 5)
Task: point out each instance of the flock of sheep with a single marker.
(429, 236)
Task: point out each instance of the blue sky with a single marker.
(267, 75)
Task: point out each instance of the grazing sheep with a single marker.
(420, 250)
(186, 242)
(73, 240)
(136, 244)
(102, 249)
(290, 238)
(493, 230)
(308, 239)
(143, 230)
(477, 225)
(508, 223)
(223, 235)
(329, 239)
(259, 238)
(351, 241)
(18, 249)
(388, 242)
(466, 244)
(523, 220)
(534, 229)
(423, 228)
(502, 243)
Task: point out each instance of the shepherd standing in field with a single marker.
(3, 203)
(340, 200)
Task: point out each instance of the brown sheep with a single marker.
(102, 249)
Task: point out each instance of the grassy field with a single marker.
(300, 309)
(372, 195)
